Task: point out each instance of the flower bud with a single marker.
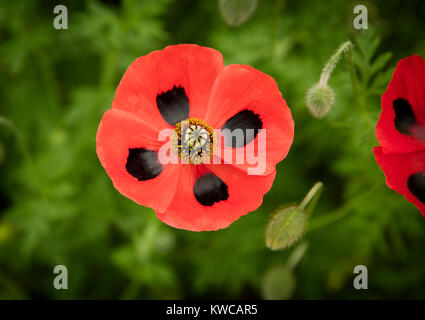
(320, 99)
(286, 227)
(278, 283)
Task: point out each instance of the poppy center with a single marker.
(193, 141)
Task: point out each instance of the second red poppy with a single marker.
(401, 131)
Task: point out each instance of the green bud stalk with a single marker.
(321, 97)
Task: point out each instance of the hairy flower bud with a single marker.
(320, 99)
(286, 227)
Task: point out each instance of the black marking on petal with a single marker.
(245, 122)
(210, 189)
(416, 185)
(404, 116)
(143, 164)
(173, 105)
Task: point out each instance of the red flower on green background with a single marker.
(187, 90)
(401, 131)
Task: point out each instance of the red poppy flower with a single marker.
(187, 90)
(401, 131)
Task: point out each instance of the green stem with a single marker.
(358, 94)
(339, 213)
(296, 255)
(354, 82)
(316, 189)
(331, 64)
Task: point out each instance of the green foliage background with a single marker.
(58, 206)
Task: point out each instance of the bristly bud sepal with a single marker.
(320, 99)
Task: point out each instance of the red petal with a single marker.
(193, 67)
(118, 132)
(408, 82)
(241, 87)
(245, 195)
(398, 168)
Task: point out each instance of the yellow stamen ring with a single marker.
(193, 141)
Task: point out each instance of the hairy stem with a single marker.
(332, 62)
